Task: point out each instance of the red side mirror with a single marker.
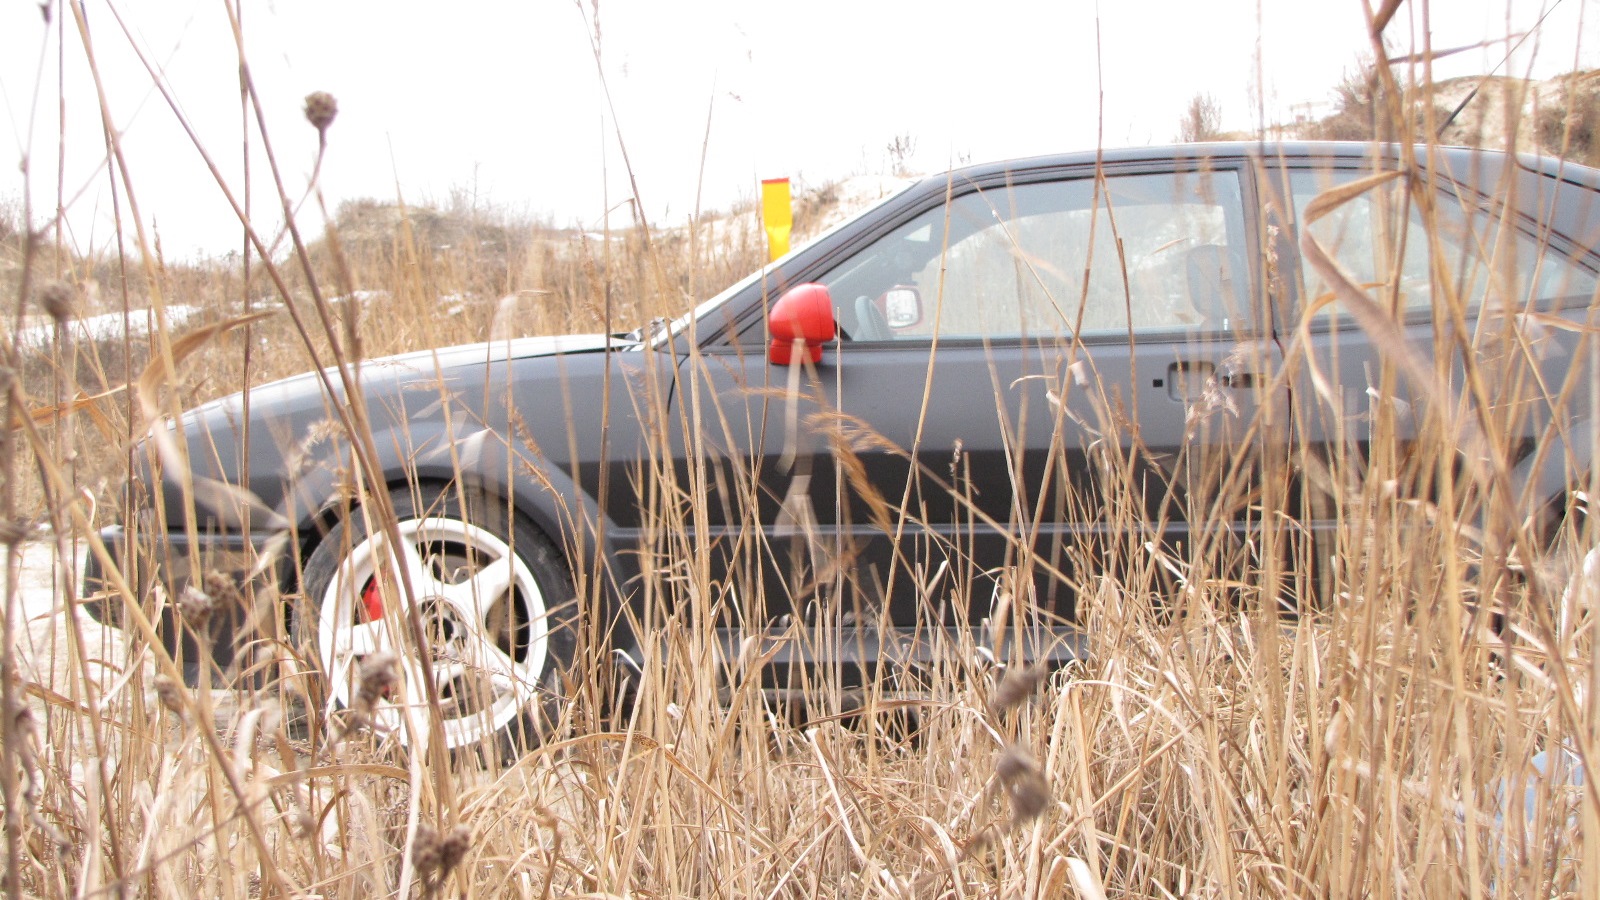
(803, 316)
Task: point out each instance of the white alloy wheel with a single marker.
(482, 611)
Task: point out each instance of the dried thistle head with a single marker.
(195, 606)
(425, 852)
(1016, 687)
(1024, 784)
(436, 856)
(58, 299)
(379, 674)
(170, 694)
(304, 823)
(321, 109)
(223, 588)
(13, 531)
(453, 849)
(376, 676)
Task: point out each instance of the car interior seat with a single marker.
(1211, 287)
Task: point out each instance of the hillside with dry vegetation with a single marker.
(1554, 117)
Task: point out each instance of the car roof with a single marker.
(1572, 212)
(1457, 160)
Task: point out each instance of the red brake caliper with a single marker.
(372, 609)
(372, 601)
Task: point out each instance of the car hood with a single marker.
(420, 363)
(283, 410)
(515, 348)
(427, 362)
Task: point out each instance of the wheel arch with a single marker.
(539, 492)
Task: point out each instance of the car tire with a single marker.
(496, 605)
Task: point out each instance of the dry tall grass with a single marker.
(1417, 727)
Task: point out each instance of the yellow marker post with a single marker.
(776, 215)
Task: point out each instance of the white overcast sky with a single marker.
(502, 100)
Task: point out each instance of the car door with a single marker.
(1037, 380)
(1454, 274)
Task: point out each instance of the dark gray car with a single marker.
(987, 352)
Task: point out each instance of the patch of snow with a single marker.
(455, 304)
(36, 581)
(106, 327)
(107, 657)
(860, 192)
(851, 197)
(42, 643)
(360, 297)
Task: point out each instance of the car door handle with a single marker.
(1186, 379)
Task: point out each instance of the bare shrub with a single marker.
(1202, 120)
(1570, 125)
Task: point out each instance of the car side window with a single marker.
(1158, 253)
(1379, 238)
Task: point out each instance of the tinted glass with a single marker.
(1380, 240)
(1043, 259)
